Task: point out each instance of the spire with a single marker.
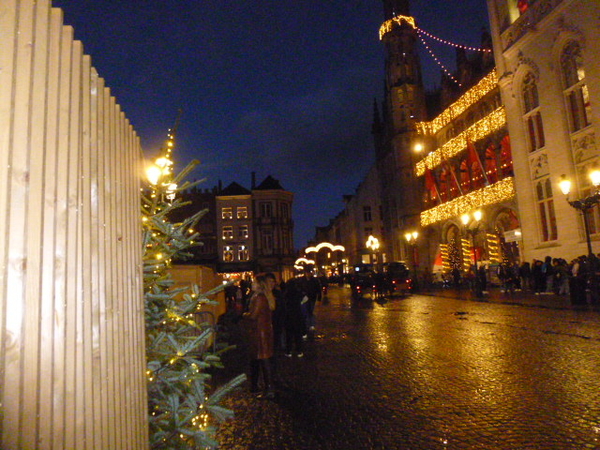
(393, 8)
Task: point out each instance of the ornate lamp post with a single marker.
(584, 204)
(472, 222)
(373, 245)
(411, 239)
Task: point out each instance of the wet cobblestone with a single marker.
(429, 372)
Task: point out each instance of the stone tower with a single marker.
(394, 128)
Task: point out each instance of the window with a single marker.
(267, 241)
(367, 216)
(285, 211)
(532, 117)
(243, 254)
(547, 217)
(575, 90)
(242, 212)
(266, 209)
(243, 232)
(228, 232)
(227, 213)
(227, 253)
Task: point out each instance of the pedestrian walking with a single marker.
(260, 308)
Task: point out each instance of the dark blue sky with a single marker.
(278, 87)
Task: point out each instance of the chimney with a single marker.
(253, 180)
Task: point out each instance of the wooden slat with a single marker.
(70, 258)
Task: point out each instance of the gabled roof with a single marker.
(269, 184)
(234, 189)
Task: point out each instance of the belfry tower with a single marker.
(394, 128)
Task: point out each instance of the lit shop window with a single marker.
(243, 254)
(227, 253)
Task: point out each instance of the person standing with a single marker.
(311, 293)
(294, 320)
(260, 308)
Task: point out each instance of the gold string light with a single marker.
(479, 130)
(388, 25)
(465, 101)
(498, 192)
(438, 62)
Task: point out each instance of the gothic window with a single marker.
(587, 190)
(491, 164)
(547, 218)
(506, 162)
(465, 178)
(575, 90)
(532, 117)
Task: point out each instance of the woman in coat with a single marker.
(260, 308)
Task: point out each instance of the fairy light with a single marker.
(498, 192)
(465, 101)
(493, 244)
(479, 130)
(453, 44)
(466, 251)
(388, 25)
(437, 61)
(445, 256)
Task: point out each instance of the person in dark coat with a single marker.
(294, 320)
(311, 293)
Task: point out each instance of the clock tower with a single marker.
(394, 128)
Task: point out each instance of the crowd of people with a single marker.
(280, 316)
(577, 279)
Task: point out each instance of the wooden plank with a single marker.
(95, 122)
(17, 220)
(61, 238)
(33, 300)
(85, 231)
(73, 308)
(46, 389)
(8, 34)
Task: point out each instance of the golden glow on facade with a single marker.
(498, 192)
(469, 98)
(490, 123)
(388, 24)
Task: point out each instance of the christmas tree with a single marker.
(183, 407)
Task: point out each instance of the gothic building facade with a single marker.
(549, 75)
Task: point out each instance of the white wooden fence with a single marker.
(72, 365)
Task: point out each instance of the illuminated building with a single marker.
(549, 75)
(255, 229)
(464, 161)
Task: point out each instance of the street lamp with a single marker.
(584, 204)
(472, 222)
(373, 245)
(411, 239)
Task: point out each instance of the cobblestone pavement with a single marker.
(429, 372)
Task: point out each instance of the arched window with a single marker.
(531, 114)
(491, 164)
(465, 176)
(476, 175)
(506, 162)
(547, 218)
(444, 184)
(575, 90)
